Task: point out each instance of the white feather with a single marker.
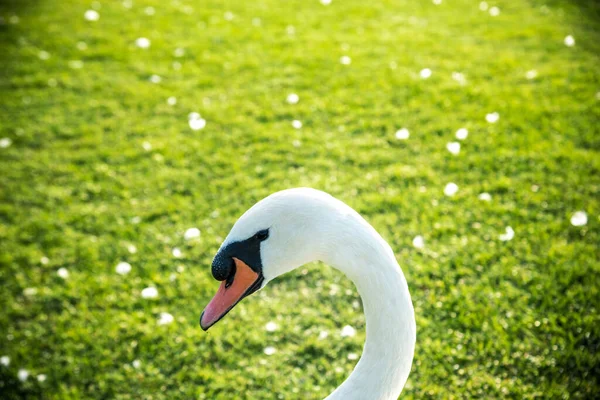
(307, 225)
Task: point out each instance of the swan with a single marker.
(295, 226)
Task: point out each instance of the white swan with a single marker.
(293, 227)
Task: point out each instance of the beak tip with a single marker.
(204, 327)
(230, 293)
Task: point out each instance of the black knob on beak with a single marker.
(223, 267)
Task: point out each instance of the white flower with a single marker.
(63, 273)
(483, 6)
(179, 52)
(228, 16)
(172, 101)
(425, 73)
(176, 252)
(136, 363)
(569, 41)
(271, 326)
(30, 291)
(23, 374)
(5, 142)
(297, 124)
(450, 189)
(270, 350)
(334, 289)
(155, 78)
(76, 64)
(494, 11)
(5, 360)
(348, 331)
(402, 134)
(579, 218)
(142, 43)
(165, 318)
(41, 378)
(485, 196)
(508, 235)
(326, 2)
(150, 293)
(462, 134)
(459, 77)
(147, 146)
(196, 122)
(43, 55)
(44, 260)
(352, 356)
(492, 118)
(123, 268)
(453, 147)
(418, 242)
(345, 60)
(132, 249)
(323, 335)
(91, 15)
(531, 74)
(293, 98)
(191, 233)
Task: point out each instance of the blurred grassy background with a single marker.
(98, 167)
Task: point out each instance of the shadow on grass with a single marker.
(589, 8)
(14, 6)
(12, 388)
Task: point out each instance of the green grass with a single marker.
(516, 319)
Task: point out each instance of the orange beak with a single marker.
(245, 282)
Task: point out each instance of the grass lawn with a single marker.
(99, 165)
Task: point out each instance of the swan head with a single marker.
(278, 234)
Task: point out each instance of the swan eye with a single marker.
(262, 235)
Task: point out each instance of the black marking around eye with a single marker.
(247, 250)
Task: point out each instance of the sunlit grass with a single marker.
(134, 133)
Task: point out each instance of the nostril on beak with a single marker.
(222, 268)
(229, 280)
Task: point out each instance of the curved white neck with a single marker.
(307, 225)
(362, 255)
